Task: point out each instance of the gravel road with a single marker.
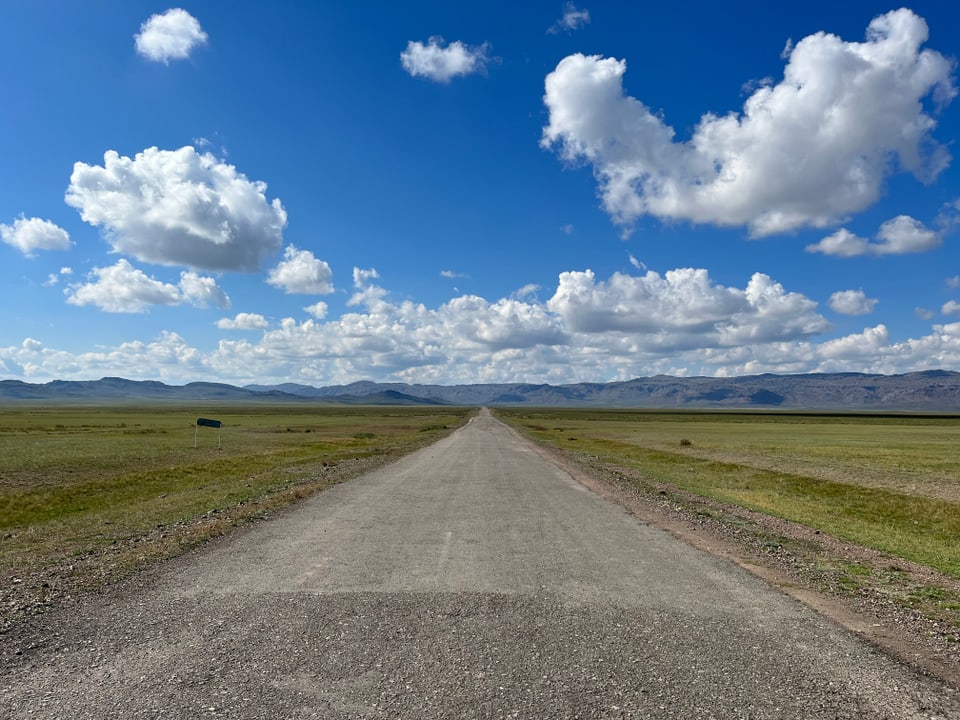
(468, 580)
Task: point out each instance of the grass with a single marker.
(78, 485)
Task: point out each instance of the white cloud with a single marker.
(172, 35)
(904, 234)
(870, 343)
(318, 310)
(367, 293)
(852, 302)
(243, 321)
(949, 216)
(953, 282)
(897, 236)
(950, 307)
(301, 273)
(683, 309)
(178, 207)
(529, 290)
(808, 151)
(202, 291)
(681, 323)
(637, 263)
(31, 234)
(452, 274)
(841, 243)
(54, 278)
(923, 313)
(442, 64)
(122, 288)
(167, 358)
(573, 19)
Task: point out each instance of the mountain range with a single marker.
(930, 390)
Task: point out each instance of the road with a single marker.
(471, 579)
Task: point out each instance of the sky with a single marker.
(476, 192)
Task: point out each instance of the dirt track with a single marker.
(470, 579)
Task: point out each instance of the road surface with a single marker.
(469, 580)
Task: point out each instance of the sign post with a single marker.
(204, 422)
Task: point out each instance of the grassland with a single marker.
(89, 493)
(888, 483)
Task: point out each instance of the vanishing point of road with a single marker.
(471, 579)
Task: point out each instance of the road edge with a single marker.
(904, 643)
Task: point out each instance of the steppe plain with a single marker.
(851, 512)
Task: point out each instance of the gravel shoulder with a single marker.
(469, 579)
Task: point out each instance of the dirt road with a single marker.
(470, 579)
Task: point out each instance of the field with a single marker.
(87, 494)
(888, 483)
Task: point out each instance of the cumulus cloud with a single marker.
(572, 19)
(179, 207)
(842, 243)
(167, 358)
(31, 234)
(897, 236)
(869, 343)
(590, 330)
(301, 273)
(683, 308)
(202, 291)
(317, 310)
(950, 307)
(852, 302)
(122, 288)
(807, 151)
(172, 35)
(243, 321)
(504, 324)
(904, 234)
(441, 64)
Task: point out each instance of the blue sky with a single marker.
(477, 192)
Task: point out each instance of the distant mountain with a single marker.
(932, 390)
(386, 397)
(117, 389)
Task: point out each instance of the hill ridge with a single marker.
(926, 390)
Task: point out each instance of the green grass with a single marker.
(888, 483)
(77, 481)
